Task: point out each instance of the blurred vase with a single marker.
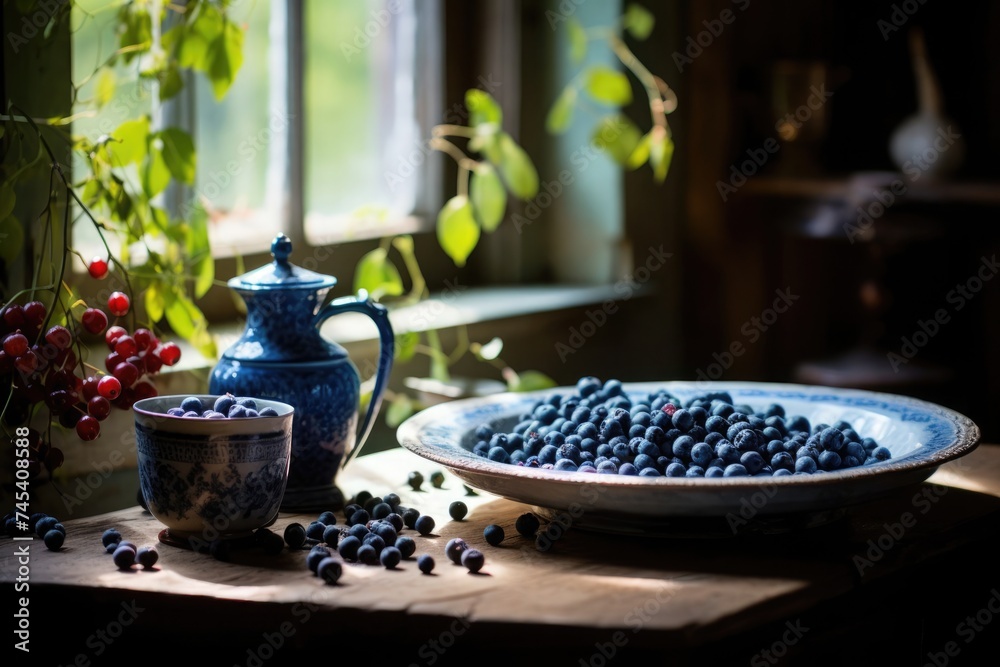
(928, 143)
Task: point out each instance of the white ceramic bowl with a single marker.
(920, 435)
(206, 479)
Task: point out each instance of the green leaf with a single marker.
(608, 86)
(457, 230)
(194, 39)
(491, 350)
(482, 108)
(638, 21)
(561, 114)
(489, 198)
(617, 136)
(131, 139)
(517, 169)
(529, 381)
(406, 345)
(171, 82)
(154, 302)
(199, 251)
(660, 154)
(204, 342)
(155, 173)
(577, 41)
(181, 313)
(377, 275)
(104, 87)
(136, 29)
(641, 152)
(487, 142)
(178, 153)
(7, 199)
(225, 56)
(11, 238)
(400, 407)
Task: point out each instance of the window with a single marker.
(323, 133)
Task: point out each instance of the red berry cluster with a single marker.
(45, 369)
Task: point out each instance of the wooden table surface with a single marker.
(860, 588)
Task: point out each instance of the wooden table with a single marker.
(890, 583)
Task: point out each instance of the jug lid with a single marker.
(282, 274)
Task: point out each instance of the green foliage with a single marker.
(457, 229)
(618, 136)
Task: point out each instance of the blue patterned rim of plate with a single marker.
(920, 435)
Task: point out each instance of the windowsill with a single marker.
(234, 234)
(461, 306)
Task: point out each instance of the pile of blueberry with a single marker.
(370, 534)
(125, 554)
(225, 407)
(600, 429)
(47, 527)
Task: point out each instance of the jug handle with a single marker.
(363, 304)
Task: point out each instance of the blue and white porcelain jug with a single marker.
(281, 355)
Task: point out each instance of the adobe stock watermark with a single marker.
(752, 330)
(273, 641)
(750, 507)
(894, 531)
(884, 198)
(635, 619)
(408, 163)
(899, 16)
(598, 317)
(433, 649)
(958, 297)
(714, 28)
(363, 36)
(252, 145)
(792, 635)
(35, 23)
(580, 159)
(786, 127)
(967, 629)
(566, 9)
(104, 637)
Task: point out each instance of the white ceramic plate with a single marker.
(920, 435)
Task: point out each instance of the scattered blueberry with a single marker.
(147, 557)
(44, 525)
(454, 548)
(111, 536)
(295, 535)
(458, 510)
(493, 534)
(527, 524)
(415, 480)
(329, 569)
(54, 540)
(317, 554)
(424, 524)
(437, 479)
(406, 546)
(390, 557)
(425, 563)
(367, 554)
(473, 560)
(124, 557)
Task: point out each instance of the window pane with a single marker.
(126, 95)
(233, 137)
(364, 151)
